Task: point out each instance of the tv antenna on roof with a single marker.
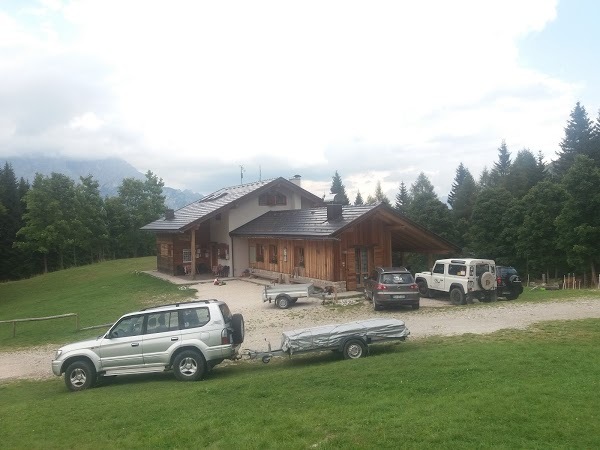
(242, 170)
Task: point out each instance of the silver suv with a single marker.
(189, 338)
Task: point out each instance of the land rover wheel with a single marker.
(239, 329)
(354, 349)
(423, 288)
(283, 301)
(80, 375)
(512, 296)
(189, 365)
(457, 296)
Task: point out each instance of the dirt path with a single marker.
(265, 321)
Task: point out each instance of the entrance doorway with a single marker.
(361, 265)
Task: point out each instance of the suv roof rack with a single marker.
(180, 303)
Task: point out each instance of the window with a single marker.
(273, 254)
(187, 255)
(166, 249)
(280, 199)
(272, 198)
(299, 256)
(162, 321)
(439, 268)
(457, 269)
(129, 326)
(260, 253)
(223, 251)
(194, 318)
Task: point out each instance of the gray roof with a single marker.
(311, 223)
(217, 202)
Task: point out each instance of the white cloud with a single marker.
(197, 84)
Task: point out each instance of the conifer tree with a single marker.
(577, 140)
(502, 166)
(594, 150)
(380, 196)
(359, 200)
(402, 198)
(338, 188)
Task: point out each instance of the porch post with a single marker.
(193, 244)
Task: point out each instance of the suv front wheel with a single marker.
(189, 365)
(80, 375)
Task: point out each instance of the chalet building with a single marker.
(278, 230)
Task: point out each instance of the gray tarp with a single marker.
(331, 336)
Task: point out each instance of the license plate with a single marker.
(398, 296)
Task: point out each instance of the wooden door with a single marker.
(361, 265)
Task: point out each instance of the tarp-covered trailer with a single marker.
(351, 339)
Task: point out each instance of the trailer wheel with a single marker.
(266, 359)
(283, 301)
(354, 349)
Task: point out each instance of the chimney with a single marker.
(334, 211)
(297, 180)
(169, 214)
(334, 207)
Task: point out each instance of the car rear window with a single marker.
(226, 312)
(396, 278)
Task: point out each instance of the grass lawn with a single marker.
(100, 293)
(537, 388)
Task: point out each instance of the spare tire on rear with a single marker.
(486, 281)
(237, 323)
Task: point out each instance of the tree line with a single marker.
(540, 218)
(56, 223)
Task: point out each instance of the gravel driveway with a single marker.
(265, 321)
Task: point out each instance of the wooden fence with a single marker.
(61, 316)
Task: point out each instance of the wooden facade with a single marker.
(175, 256)
(348, 257)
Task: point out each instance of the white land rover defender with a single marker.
(464, 279)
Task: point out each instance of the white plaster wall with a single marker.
(242, 213)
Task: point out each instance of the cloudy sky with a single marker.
(377, 90)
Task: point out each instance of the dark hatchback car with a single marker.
(509, 282)
(392, 286)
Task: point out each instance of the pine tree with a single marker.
(594, 150)
(402, 198)
(359, 200)
(428, 210)
(484, 179)
(577, 140)
(523, 174)
(461, 173)
(380, 196)
(502, 166)
(338, 188)
(578, 224)
(370, 200)
(14, 261)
